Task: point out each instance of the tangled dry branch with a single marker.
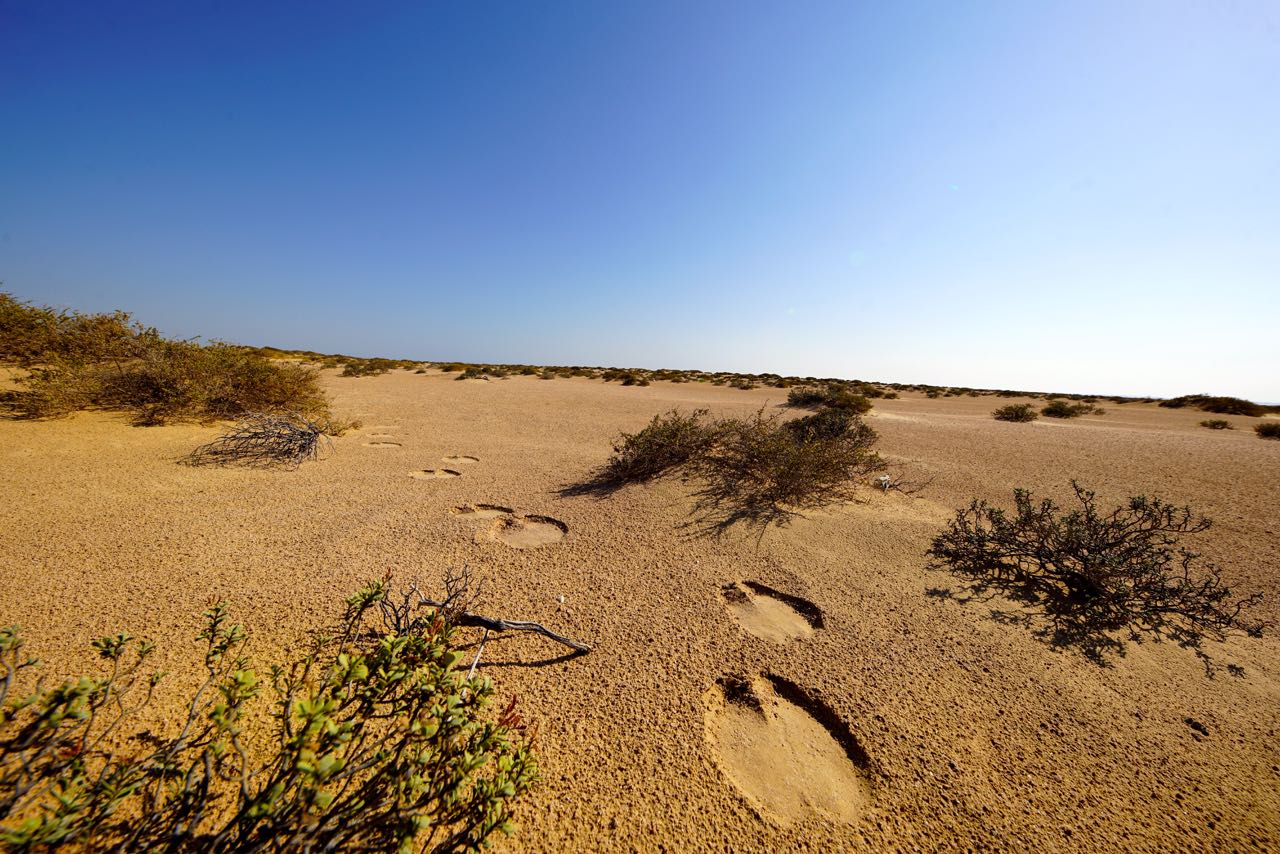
(264, 441)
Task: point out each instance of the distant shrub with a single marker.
(472, 373)
(634, 379)
(1015, 412)
(496, 372)
(367, 367)
(1063, 409)
(1217, 424)
(933, 394)
(108, 362)
(744, 384)
(1218, 405)
(452, 368)
(1268, 430)
(832, 396)
(806, 397)
(547, 374)
(1091, 573)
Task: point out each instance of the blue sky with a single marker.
(1074, 196)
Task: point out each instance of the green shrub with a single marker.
(1268, 430)
(665, 444)
(174, 381)
(806, 398)
(472, 373)
(1062, 409)
(1015, 412)
(106, 361)
(1217, 405)
(760, 470)
(832, 396)
(1217, 424)
(380, 743)
(1094, 574)
(367, 367)
(452, 368)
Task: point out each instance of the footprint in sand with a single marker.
(528, 532)
(512, 529)
(771, 614)
(786, 751)
(382, 444)
(434, 474)
(460, 459)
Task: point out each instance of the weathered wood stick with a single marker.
(466, 618)
(476, 661)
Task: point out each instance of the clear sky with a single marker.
(1070, 196)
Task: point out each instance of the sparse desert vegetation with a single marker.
(840, 569)
(1217, 424)
(75, 361)
(1268, 430)
(1020, 412)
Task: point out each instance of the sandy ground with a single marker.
(797, 692)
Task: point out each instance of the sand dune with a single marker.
(897, 720)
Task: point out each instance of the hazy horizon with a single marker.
(1079, 198)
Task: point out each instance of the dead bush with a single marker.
(266, 441)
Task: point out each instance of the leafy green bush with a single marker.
(1092, 573)
(1015, 412)
(1217, 424)
(380, 743)
(1268, 430)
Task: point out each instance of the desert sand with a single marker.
(798, 691)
